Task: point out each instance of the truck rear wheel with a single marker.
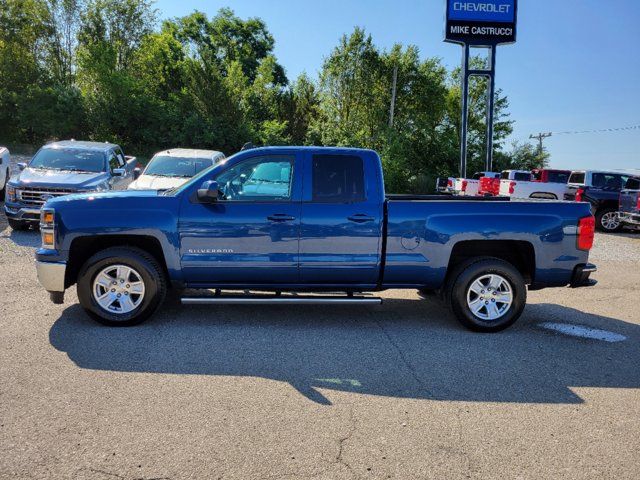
(121, 286)
(487, 294)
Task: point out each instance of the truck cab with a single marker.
(63, 168)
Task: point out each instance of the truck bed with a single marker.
(435, 198)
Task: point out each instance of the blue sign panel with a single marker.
(483, 10)
(481, 22)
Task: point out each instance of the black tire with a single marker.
(466, 274)
(603, 215)
(150, 271)
(17, 225)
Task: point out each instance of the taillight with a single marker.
(449, 183)
(464, 185)
(586, 232)
(579, 194)
(638, 203)
(512, 187)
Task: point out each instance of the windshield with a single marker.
(69, 159)
(164, 166)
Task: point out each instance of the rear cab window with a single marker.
(522, 176)
(577, 178)
(337, 179)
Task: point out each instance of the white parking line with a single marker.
(583, 332)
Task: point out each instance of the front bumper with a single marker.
(629, 218)
(25, 214)
(51, 277)
(581, 275)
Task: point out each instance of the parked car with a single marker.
(63, 168)
(522, 184)
(5, 160)
(308, 219)
(629, 213)
(464, 186)
(171, 168)
(601, 190)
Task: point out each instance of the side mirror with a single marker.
(136, 173)
(22, 166)
(119, 172)
(208, 192)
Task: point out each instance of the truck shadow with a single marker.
(405, 349)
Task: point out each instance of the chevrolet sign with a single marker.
(481, 22)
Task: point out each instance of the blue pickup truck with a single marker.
(62, 168)
(301, 224)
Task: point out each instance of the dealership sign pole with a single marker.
(479, 23)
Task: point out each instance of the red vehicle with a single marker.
(545, 175)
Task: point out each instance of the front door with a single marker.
(250, 236)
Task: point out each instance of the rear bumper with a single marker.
(581, 276)
(629, 218)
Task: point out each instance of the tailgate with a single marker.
(505, 186)
(629, 201)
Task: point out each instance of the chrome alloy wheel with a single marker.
(118, 289)
(610, 221)
(489, 297)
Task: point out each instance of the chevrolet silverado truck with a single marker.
(629, 210)
(63, 168)
(601, 191)
(301, 224)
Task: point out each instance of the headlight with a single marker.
(102, 187)
(48, 228)
(11, 193)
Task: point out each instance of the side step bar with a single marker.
(280, 300)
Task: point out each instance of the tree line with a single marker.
(109, 70)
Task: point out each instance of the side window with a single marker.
(120, 156)
(113, 161)
(338, 179)
(267, 178)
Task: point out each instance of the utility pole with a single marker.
(540, 137)
(393, 95)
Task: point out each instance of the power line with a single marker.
(600, 130)
(540, 137)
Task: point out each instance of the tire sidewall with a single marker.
(154, 292)
(471, 274)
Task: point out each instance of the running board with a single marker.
(280, 300)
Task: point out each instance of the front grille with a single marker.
(37, 196)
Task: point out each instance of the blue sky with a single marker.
(576, 65)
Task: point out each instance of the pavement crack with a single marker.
(342, 440)
(402, 356)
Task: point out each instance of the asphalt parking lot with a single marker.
(398, 391)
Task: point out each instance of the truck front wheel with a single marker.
(487, 294)
(121, 286)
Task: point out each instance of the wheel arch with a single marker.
(84, 247)
(519, 253)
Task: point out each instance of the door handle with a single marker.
(360, 218)
(280, 217)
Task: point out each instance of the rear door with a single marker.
(342, 213)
